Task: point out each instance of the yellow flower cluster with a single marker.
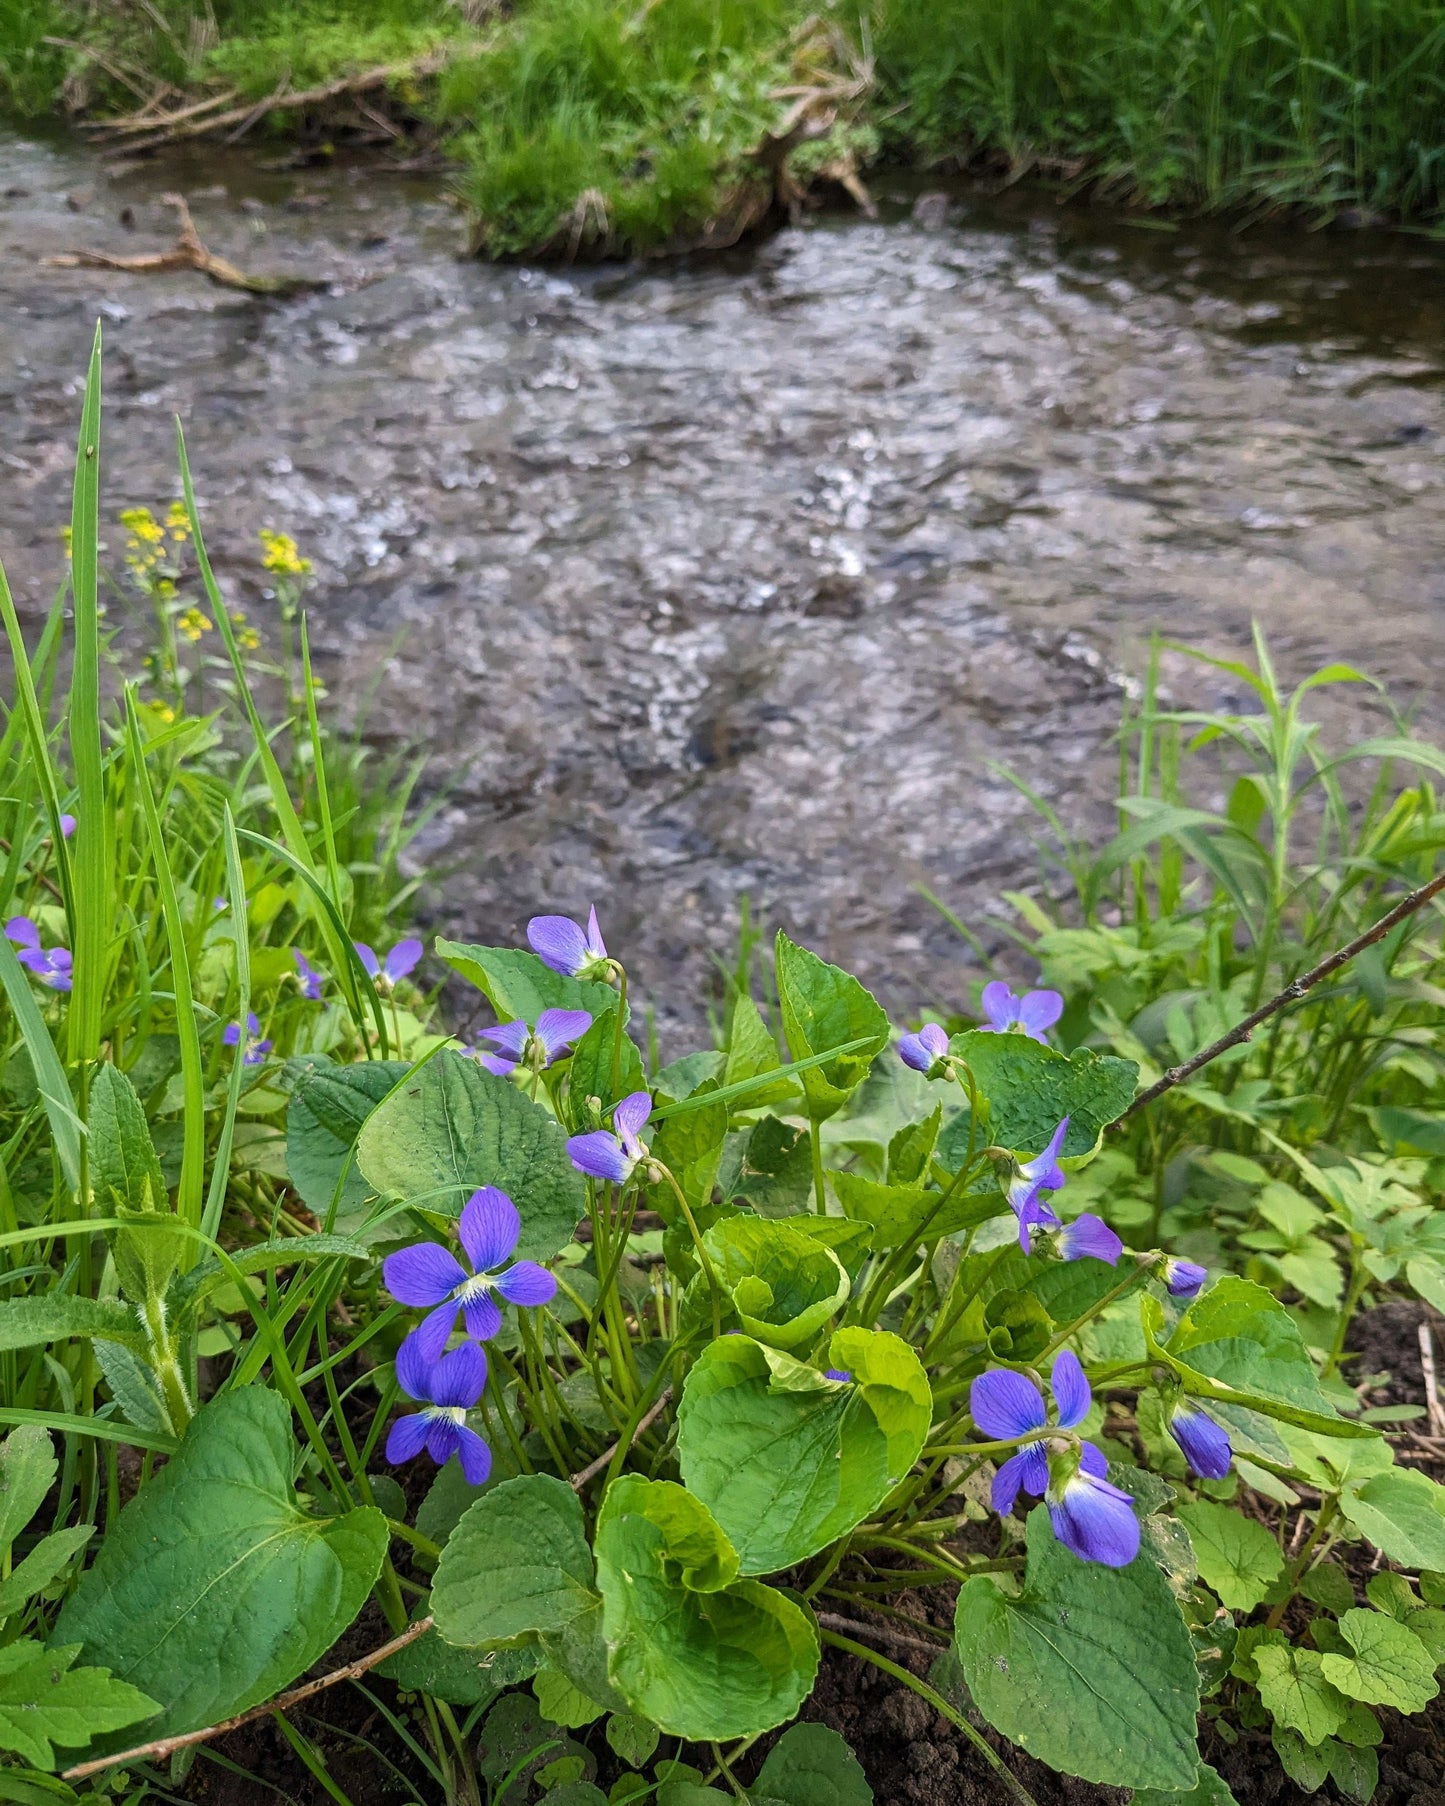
(193, 624)
(145, 539)
(177, 521)
(281, 557)
(247, 637)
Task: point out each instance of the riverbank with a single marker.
(600, 127)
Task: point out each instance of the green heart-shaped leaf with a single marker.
(451, 1127)
(329, 1103)
(787, 1460)
(517, 1564)
(1089, 1668)
(784, 1285)
(1030, 1088)
(517, 984)
(824, 1007)
(728, 1662)
(215, 1588)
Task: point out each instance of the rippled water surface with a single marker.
(745, 576)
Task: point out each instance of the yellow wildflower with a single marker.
(142, 526)
(164, 711)
(281, 557)
(193, 624)
(178, 521)
(166, 590)
(246, 635)
(65, 539)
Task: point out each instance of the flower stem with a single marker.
(704, 1259)
(820, 1184)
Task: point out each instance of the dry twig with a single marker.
(1242, 1031)
(1434, 1409)
(593, 1468)
(237, 120)
(187, 253)
(163, 1747)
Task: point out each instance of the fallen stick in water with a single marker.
(187, 253)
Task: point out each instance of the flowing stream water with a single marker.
(749, 575)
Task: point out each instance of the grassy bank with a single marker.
(608, 126)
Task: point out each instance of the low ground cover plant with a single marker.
(600, 1399)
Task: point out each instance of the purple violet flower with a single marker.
(1088, 1514)
(566, 947)
(67, 826)
(1206, 1445)
(52, 966)
(1089, 1236)
(614, 1153)
(924, 1050)
(534, 1048)
(254, 1049)
(1031, 1014)
(1033, 1178)
(448, 1388)
(398, 963)
(1184, 1278)
(308, 979)
(428, 1275)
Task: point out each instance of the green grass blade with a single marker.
(221, 1159)
(193, 1153)
(318, 768)
(67, 1424)
(292, 832)
(356, 975)
(28, 704)
(66, 1128)
(91, 891)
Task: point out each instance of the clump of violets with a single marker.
(1032, 1014)
(533, 1049)
(447, 1389)
(431, 1277)
(51, 965)
(925, 1050)
(614, 1153)
(1204, 1443)
(398, 964)
(1088, 1235)
(308, 979)
(253, 1048)
(1090, 1515)
(570, 949)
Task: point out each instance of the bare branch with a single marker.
(1242, 1031)
(163, 1747)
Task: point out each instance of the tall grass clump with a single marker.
(1322, 104)
(110, 58)
(598, 121)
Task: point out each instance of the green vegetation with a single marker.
(804, 1322)
(608, 126)
(1320, 104)
(1195, 914)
